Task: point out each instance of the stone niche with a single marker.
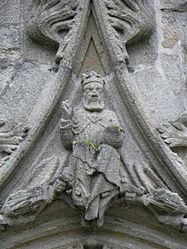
(93, 124)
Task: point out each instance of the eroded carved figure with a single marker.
(95, 171)
(94, 174)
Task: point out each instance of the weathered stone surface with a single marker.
(93, 124)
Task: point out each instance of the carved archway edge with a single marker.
(167, 160)
(113, 235)
(52, 94)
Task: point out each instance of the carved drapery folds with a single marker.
(94, 175)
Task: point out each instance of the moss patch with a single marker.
(118, 128)
(88, 142)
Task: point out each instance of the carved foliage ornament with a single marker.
(174, 134)
(56, 21)
(11, 134)
(127, 21)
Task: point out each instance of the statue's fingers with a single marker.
(175, 144)
(168, 129)
(166, 135)
(10, 148)
(163, 128)
(6, 158)
(15, 140)
(169, 140)
(65, 107)
(177, 125)
(64, 104)
(110, 5)
(131, 4)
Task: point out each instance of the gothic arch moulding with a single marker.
(88, 169)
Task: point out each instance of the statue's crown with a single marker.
(91, 77)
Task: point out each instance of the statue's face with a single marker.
(93, 96)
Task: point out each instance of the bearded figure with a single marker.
(94, 171)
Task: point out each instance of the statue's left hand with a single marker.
(113, 136)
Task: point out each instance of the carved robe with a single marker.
(94, 167)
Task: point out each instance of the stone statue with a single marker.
(94, 174)
(95, 171)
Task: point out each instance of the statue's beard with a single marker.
(93, 104)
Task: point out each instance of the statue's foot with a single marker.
(100, 221)
(84, 223)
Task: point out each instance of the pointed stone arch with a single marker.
(93, 50)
